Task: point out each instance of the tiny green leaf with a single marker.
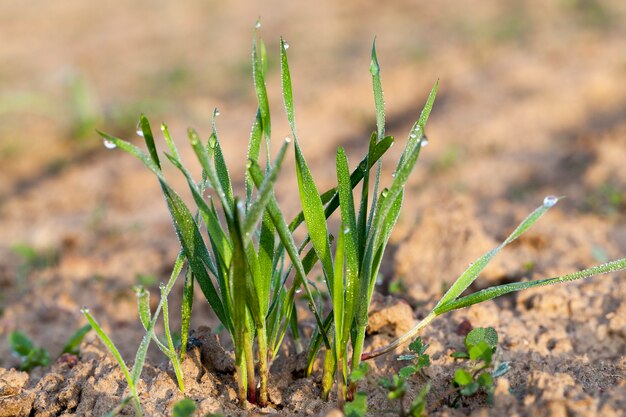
(418, 347)
(184, 408)
(482, 334)
(462, 377)
(357, 407)
(408, 371)
(360, 372)
(485, 380)
(481, 351)
(20, 344)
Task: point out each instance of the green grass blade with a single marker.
(209, 168)
(266, 260)
(497, 291)
(254, 148)
(73, 344)
(149, 139)
(387, 228)
(379, 105)
(287, 87)
(143, 303)
(471, 273)
(261, 91)
(140, 358)
(338, 291)
(109, 345)
(265, 192)
(362, 220)
(185, 313)
(314, 216)
(350, 232)
(379, 100)
(220, 164)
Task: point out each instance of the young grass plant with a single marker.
(243, 256)
(363, 236)
(149, 321)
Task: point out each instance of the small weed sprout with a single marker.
(30, 355)
(396, 385)
(479, 375)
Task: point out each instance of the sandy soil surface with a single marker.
(532, 102)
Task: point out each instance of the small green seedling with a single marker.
(148, 320)
(396, 385)
(72, 346)
(358, 406)
(184, 408)
(479, 374)
(30, 355)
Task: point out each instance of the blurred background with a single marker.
(532, 101)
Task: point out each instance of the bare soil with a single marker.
(532, 102)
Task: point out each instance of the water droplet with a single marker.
(550, 201)
(346, 230)
(287, 139)
(249, 164)
(412, 135)
(299, 290)
(138, 129)
(379, 280)
(384, 193)
(163, 127)
(217, 112)
(84, 310)
(424, 141)
(240, 205)
(108, 144)
(257, 25)
(212, 141)
(285, 44)
(393, 175)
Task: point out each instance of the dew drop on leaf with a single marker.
(108, 144)
(550, 201)
(138, 129)
(286, 44)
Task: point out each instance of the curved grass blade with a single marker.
(471, 273)
(499, 290)
(186, 229)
